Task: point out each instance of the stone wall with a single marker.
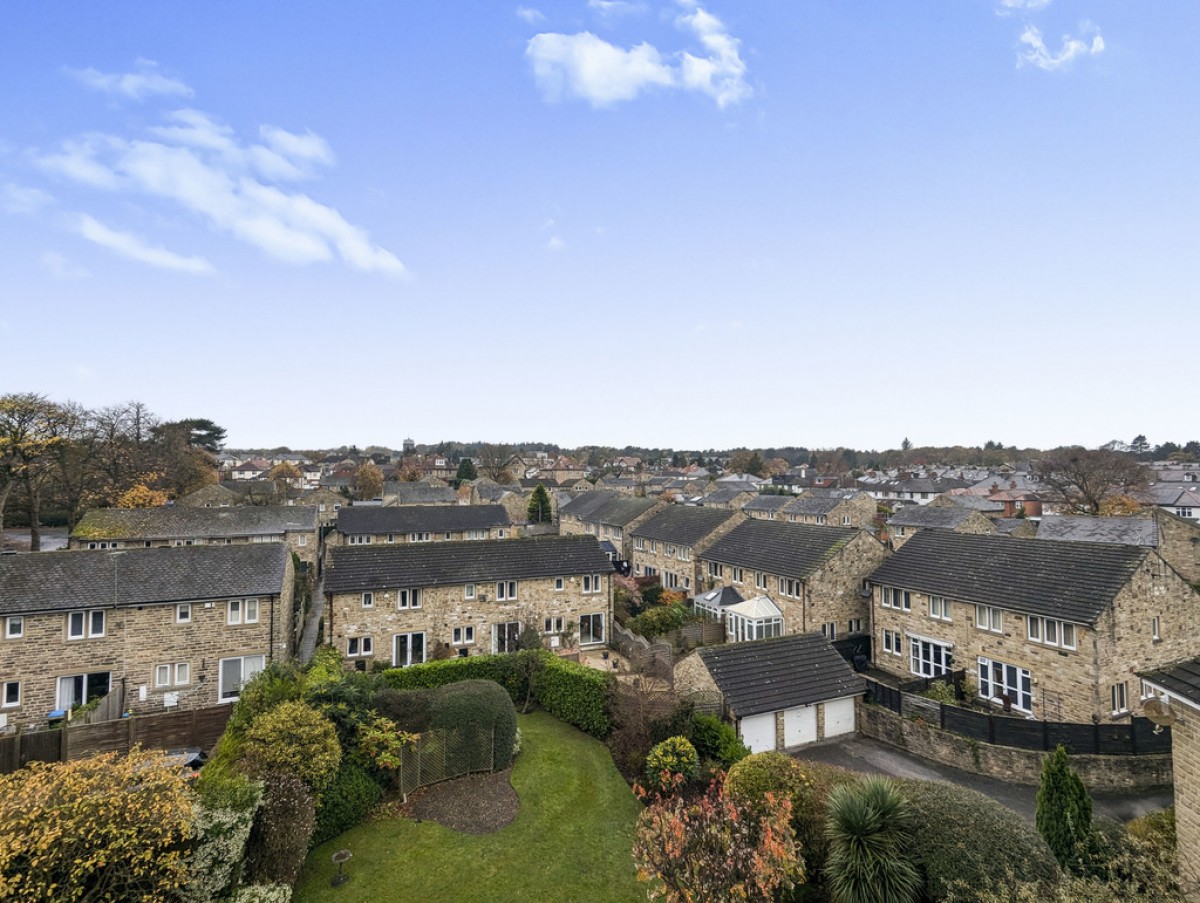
(1179, 544)
(1185, 751)
(1101, 774)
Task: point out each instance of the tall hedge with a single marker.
(349, 799)
(484, 714)
(575, 693)
(503, 669)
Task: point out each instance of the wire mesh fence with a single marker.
(441, 755)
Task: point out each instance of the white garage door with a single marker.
(839, 717)
(758, 732)
(799, 725)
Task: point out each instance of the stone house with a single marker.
(780, 693)
(849, 509)
(669, 543)
(913, 519)
(767, 507)
(1176, 539)
(731, 498)
(607, 515)
(511, 496)
(397, 492)
(374, 525)
(1054, 630)
(469, 597)
(179, 627)
(214, 495)
(813, 575)
(327, 502)
(131, 528)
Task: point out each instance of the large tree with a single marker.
(1064, 808)
(30, 428)
(493, 461)
(1082, 479)
(466, 471)
(368, 481)
(540, 510)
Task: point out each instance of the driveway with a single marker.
(872, 757)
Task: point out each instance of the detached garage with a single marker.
(781, 693)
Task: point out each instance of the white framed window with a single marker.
(408, 598)
(162, 676)
(1050, 632)
(12, 694)
(368, 600)
(854, 625)
(685, 553)
(989, 617)
(358, 539)
(845, 520)
(85, 624)
(183, 674)
(408, 649)
(1120, 698)
(183, 613)
(506, 590)
(505, 636)
(559, 584)
(242, 611)
(900, 599)
(1156, 627)
(321, 507)
(939, 608)
(464, 636)
(420, 537)
(790, 586)
(716, 569)
(829, 631)
(639, 543)
(1147, 691)
(553, 625)
(233, 611)
(476, 534)
(760, 580)
(78, 689)
(670, 551)
(469, 591)
(501, 533)
(357, 646)
(737, 575)
(998, 680)
(591, 583)
(927, 658)
(892, 642)
(235, 673)
(591, 628)
(14, 627)
(302, 540)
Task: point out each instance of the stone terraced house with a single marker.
(1176, 539)
(171, 525)
(912, 519)
(397, 604)
(813, 576)
(767, 507)
(607, 515)
(844, 509)
(1053, 630)
(179, 627)
(668, 545)
(374, 525)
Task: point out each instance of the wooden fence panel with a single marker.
(1019, 733)
(965, 722)
(10, 754)
(1077, 739)
(93, 739)
(41, 746)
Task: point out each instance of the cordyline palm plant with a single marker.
(868, 829)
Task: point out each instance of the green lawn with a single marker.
(570, 842)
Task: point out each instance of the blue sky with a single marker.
(688, 224)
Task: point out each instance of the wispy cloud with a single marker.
(201, 166)
(60, 267)
(1035, 53)
(555, 243)
(147, 81)
(133, 248)
(23, 199)
(1011, 7)
(530, 15)
(584, 66)
(616, 9)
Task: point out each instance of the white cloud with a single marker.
(146, 82)
(587, 67)
(60, 267)
(555, 243)
(615, 9)
(1009, 7)
(132, 247)
(200, 165)
(530, 15)
(23, 199)
(1035, 52)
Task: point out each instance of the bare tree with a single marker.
(493, 461)
(1082, 479)
(30, 425)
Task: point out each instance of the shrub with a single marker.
(1157, 828)
(674, 757)
(484, 713)
(952, 852)
(345, 702)
(575, 693)
(716, 849)
(941, 692)
(868, 829)
(651, 594)
(659, 619)
(1064, 808)
(349, 799)
(755, 776)
(503, 669)
(276, 683)
(108, 827)
(381, 745)
(224, 814)
(279, 838)
(409, 709)
(326, 666)
(263, 893)
(716, 740)
(296, 739)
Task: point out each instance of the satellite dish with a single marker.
(1160, 712)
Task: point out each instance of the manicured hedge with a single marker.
(576, 694)
(485, 707)
(503, 669)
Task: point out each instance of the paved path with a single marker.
(871, 756)
(308, 639)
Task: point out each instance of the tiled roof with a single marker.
(980, 503)
(766, 503)
(1182, 680)
(927, 517)
(768, 675)
(1133, 531)
(793, 550)
(683, 525)
(431, 518)
(1074, 581)
(606, 507)
(814, 506)
(418, 493)
(180, 521)
(354, 568)
(57, 581)
(1007, 525)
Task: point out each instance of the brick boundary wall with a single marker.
(1101, 774)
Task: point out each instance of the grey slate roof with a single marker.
(927, 517)
(980, 503)
(768, 675)
(1132, 531)
(724, 495)
(682, 524)
(602, 506)
(180, 521)
(419, 493)
(355, 568)
(721, 597)
(431, 518)
(793, 550)
(59, 581)
(1006, 525)
(815, 506)
(1072, 581)
(766, 503)
(1182, 680)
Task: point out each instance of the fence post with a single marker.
(1046, 736)
(131, 735)
(64, 742)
